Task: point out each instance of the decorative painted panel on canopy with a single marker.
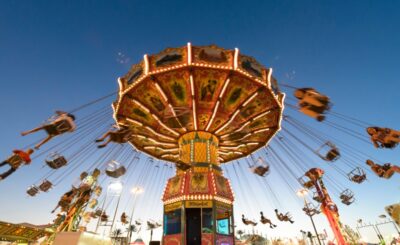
(199, 89)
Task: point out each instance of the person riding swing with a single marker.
(124, 218)
(247, 221)
(15, 161)
(284, 217)
(312, 103)
(120, 136)
(384, 171)
(384, 137)
(62, 123)
(265, 220)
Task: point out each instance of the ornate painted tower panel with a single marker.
(198, 202)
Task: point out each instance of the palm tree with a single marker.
(151, 225)
(132, 228)
(240, 233)
(116, 235)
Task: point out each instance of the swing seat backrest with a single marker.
(45, 186)
(15, 161)
(57, 162)
(388, 174)
(63, 126)
(332, 155)
(32, 191)
(117, 172)
(98, 212)
(259, 170)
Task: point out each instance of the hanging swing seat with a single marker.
(259, 170)
(328, 152)
(15, 161)
(305, 182)
(63, 126)
(347, 197)
(104, 217)
(45, 186)
(93, 203)
(98, 212)
(32, 190)
(117, 172)
(56, 161)
(87, 216)
(115, 169)
(311, 210)
(357, 175)
(98, 190)
(316, 197)
(260, 167)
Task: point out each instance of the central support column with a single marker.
(198, 201)
(198, 148)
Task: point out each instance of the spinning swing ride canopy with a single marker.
(210, 89)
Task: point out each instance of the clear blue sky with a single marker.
(60, 54)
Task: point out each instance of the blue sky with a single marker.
(59, 55)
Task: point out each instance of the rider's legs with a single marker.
(104, 144)
(3, 163)
(44, 141)
(7, 173)
(32, 131)
(390, 138)
(103, 137)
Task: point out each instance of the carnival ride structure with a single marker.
(204, 111)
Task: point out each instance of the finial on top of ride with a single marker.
(199, 88)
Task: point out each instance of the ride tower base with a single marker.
(198, 201)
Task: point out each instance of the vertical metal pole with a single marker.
(358, 231)
(383, 240)
(395, 226)
(311, 240)
(377, 232)
(131, 218)
(304, 237)
(115, 213)
(102, 210)
(312, 222)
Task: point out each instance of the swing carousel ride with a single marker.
(205, 112)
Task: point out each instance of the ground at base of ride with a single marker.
(80, 238)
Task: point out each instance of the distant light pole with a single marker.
(112, 187)
(374, 227)
(116, 189)
(386, 220)
(309, 213)
(135, 190)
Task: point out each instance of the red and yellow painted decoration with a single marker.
(173, 239)
(204, 89)
(192, 185)
(198, 147)
(204, 181)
